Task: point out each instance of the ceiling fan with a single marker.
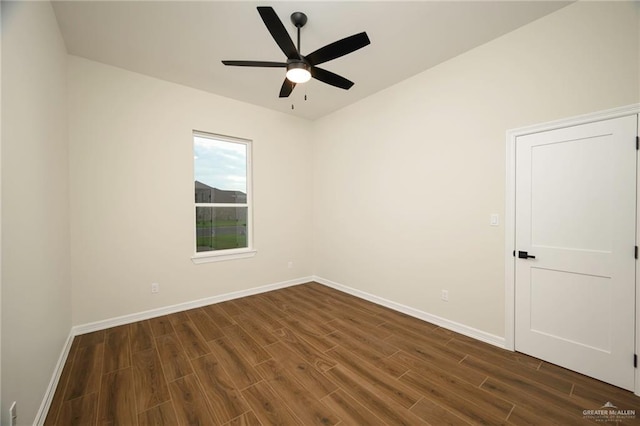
(300, 68)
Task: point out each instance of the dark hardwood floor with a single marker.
(309, 355)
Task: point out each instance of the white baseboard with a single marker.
(41, 415)
(153, 313)
(127, 319)
(434, 319)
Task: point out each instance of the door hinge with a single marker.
(637, 143)
(635, 254)
(514, 253)
(635, 360)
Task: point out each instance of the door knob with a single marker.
(525, 255)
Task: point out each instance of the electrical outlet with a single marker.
(445, 295)
(155, 288)
(290, 264)
(13, 414)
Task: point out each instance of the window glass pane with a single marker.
(220, 169)
(220, 228)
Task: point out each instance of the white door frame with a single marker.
(510, 215)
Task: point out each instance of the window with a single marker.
(222, 188)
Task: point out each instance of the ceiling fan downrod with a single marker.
(298, 19)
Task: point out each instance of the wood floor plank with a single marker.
(246, 419)
(475, 405)
(590, 389)
(190, 402)
(453, 368)
(218, 315)
(178, 318)
(316, 382)
(225, 400)
(268, 306)
(252, 308)
(175, 363)
(345, 302)
(366, 322)
(312, 319)
(140, 336)
(249, 348)
(193, 343)
(349, 410)
(90, 339)
(117, 351)
(305, 294)
(318, 308)
(367, 395)
(594, 395)
(512, 372)
(268, 310)
(521, 416)
(160, 326)
(86, 371)
(308, 352)
(309, 334)
(267, 406)
(302, 402)
(372, 338)
(486, 351)
(443, 380)
(384, 384)
(425, 351)
(149, 381)
(256, 330)
(230, 308)
(239, 369)
(277, 297)
(117, 399)
(160, 415)
(79, 411)
(544, 408)
(434, 414)
(205, 325)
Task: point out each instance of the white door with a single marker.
(575, 212)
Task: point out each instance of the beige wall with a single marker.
(36, 309)
(131, 174)
(405, 180)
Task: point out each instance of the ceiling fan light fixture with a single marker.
(298, 72)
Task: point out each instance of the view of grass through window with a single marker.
(220, 169)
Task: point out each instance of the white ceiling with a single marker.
(184, 42)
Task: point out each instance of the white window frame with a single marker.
(226, 254)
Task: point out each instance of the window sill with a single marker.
(208, 257)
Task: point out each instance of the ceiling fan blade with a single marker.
(278, 32)
(338, 48)
(331, 78)
(287, 88)
(263, 64)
